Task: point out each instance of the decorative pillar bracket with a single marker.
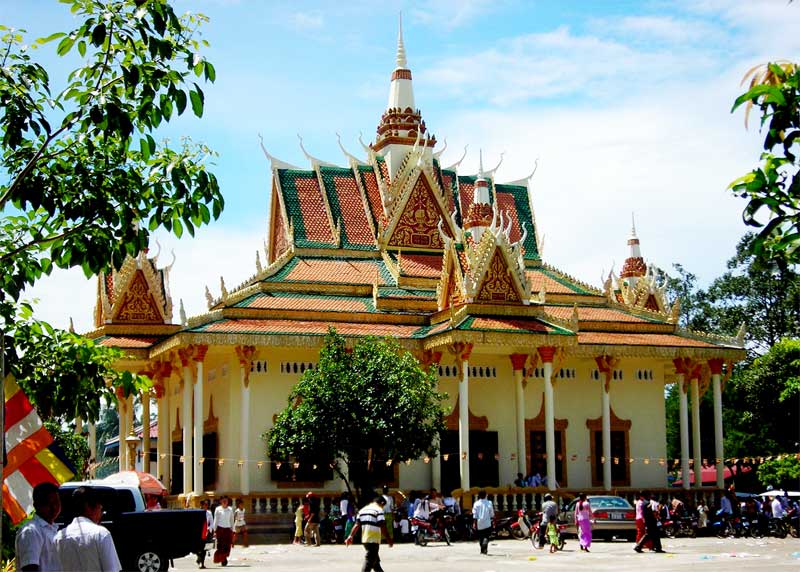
(606, 365)
(246, 356)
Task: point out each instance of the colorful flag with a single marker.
(32, 457)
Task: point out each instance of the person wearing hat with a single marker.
(549, 508)
(312, 526)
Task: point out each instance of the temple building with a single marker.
(545, 374)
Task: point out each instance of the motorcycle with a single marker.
(727, 527)
(522, 529)
(679, 526)
(535, 534)
(503, 526)
(433, 530)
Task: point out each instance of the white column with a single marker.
(188, 429)
(164, 463)
(684, 418)
(146, 431)
(522, 466)
(549, 425)
(436, 467)
(463, 424)
(696, 446)
(198, 429)
(122, 465)
(718, 450)
(92, 447)
(129, 428)
(606, 403)
(244, 436)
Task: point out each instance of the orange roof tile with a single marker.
(509, 324)
(356, 227)
(126, 342)
(664, 340)
(268, 301)
(421, 265)
(506, 205)
(336, 271)
(370, 181)
(590, 314)
(316, 223)
(306, 327)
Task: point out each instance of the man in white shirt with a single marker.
(84, 544)
(483, 516)
(35, 548)
(777, 508)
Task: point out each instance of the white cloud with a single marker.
(306, 21)
(450, 14)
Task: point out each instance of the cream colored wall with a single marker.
(575, 399)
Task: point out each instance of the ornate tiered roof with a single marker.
(394, 244)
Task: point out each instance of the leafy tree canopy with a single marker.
(781, 473)
(774, 186)
(83, 180)
(360, 407)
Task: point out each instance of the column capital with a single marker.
(430, 357)
(606, 364)
(547, 353)
(200, 352)
(518, 361)
(246, 355)
(715, 365)
(461, 349)
(185, 354)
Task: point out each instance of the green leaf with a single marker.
(82, 48)
(197, 101)
(99, 35)
(180, 101)
(50, 38)
(65, 45)
(144, 148)
(210, 72)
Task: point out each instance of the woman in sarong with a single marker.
(223, 528)
(583, 522)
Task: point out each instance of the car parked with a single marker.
(612, 517)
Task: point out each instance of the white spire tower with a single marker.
(401, 125)
(634, 267)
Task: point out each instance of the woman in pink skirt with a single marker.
(583, 522)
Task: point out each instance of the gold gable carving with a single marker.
(497, 285)
(138, 303)
(417, 225)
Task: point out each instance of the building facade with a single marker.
(545, 374)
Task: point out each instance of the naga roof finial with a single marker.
(633, 224)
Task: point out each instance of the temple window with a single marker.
(645, 375)
(258, 366)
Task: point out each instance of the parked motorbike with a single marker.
(727, 527)
(521, 530)
(433, 530)
(679, 526)
(537, 524)
(503, 526)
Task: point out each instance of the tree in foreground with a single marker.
(773, 188)
(361, 410)
(83, 180)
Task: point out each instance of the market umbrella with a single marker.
(148, 484)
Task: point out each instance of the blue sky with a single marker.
(625, 104)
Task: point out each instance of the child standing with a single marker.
(239, 524)
(552, 534)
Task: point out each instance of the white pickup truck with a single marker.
(146, 541)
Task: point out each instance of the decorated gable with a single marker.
(417, 225)
(498, 285)
(138, 304)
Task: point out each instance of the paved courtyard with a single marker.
(700, 554)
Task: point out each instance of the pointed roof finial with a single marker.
(401, 49)
(480, 163)
(633, 225)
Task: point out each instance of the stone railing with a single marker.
(258, 503)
